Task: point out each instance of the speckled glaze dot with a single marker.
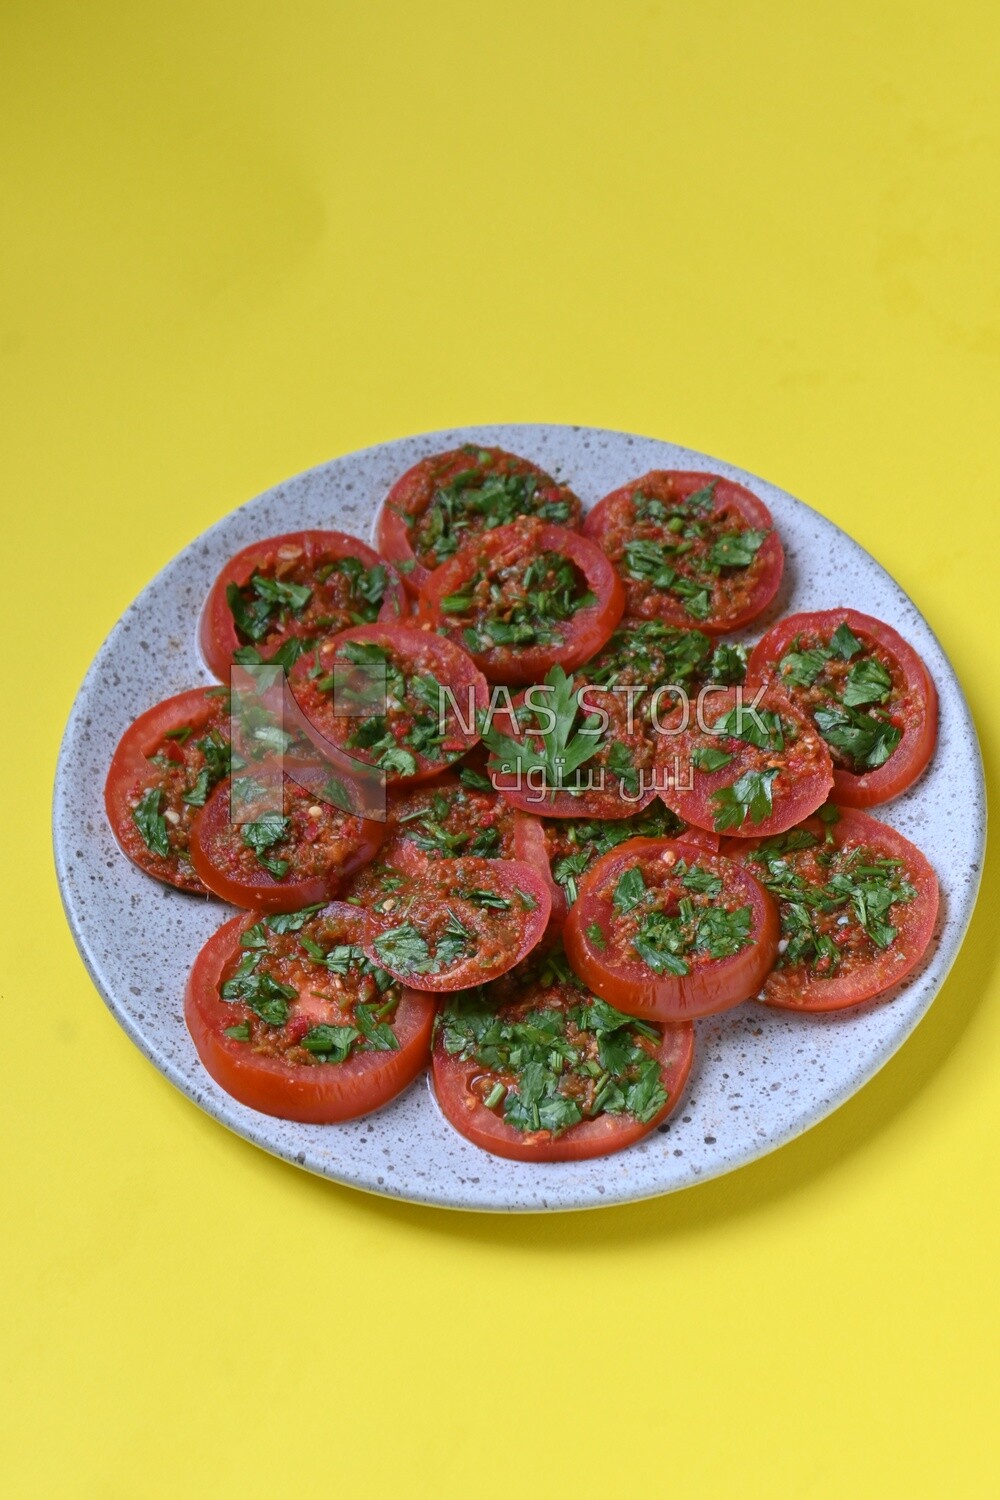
(760, 1076)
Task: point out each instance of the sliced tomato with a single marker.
(524, 598)
(743, 762)
(445, 501)
(534, 1068)
(693, 549)
(454, 923)
(857, 904)
(868, 692)
(161, 774)
(289, 1033)
(402, 700)
(272, 841)
(669, 930)
(277, 596)
(566, 750)
(644, 655)
(447, 819)
(574, 845)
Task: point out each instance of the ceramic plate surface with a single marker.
(760, 1076)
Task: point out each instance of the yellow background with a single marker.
(243, 238)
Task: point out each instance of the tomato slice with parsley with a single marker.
(273, 842)
(857, 904)
(277, 597)
(162, 772)
(574, 845)
(645, 655)
(447, 500)
(374, 695)
(743, 765)
(566, 750)
(535, 1068)
(455, 922)
(291, 1019)
(524, 598)
(868, 692)
(692, 549)
(450, 819)
(670, 931)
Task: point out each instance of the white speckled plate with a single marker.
(760, 1076)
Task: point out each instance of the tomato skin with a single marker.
(584, 632)
(217, 634)
(505, 878)
(452, 667)
(198, 707)
(633, 987)
(792, 989)
(531, 848)
(212, 844)
(612, 512)
(313, 1095)
(800, 788)
(918, 710)
(413, 492)
(599, 1137)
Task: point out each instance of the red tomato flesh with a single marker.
(269, 1019)
(574, 845)
(617, 1078)
(445, 819)
(453, 924)
(857, 904)
(298, 587)
(160, 777)
(524, 598)
(693, 549)
(271, 843)
(671, 931)
(394, 680)
(447, 500)
(867, 691)
(747, 763)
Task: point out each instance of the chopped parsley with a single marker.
(687, 559)
(822, 889)
(849, 710)
(557, 1064)
(262, 602)
(474, 501)
(666, 940)
(293, 935)
(582, 841)
(519, 609)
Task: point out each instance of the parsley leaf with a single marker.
(630, 890)
(844, 643)
(751, 794)
(866, 740)
(867, 682)
(707, 758)
(405, 949)
(564, 748)
(737, 549)
(151, 823)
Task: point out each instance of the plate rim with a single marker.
(945, 953)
